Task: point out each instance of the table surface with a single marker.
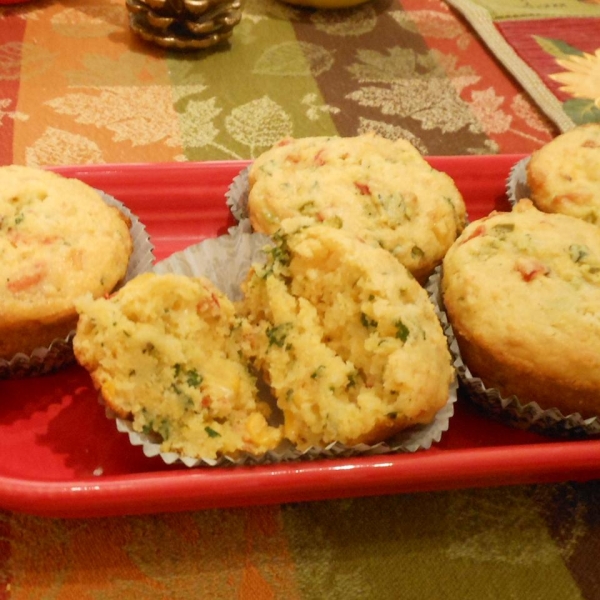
(78, 88)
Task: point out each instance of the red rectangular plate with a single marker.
(60, 456)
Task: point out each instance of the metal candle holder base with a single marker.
(184, 24)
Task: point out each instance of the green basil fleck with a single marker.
(211, 432)
(366, 321)
(352, 379)
(193, 378)
(317, 372)
(277, 334)
(578, 252)
(416, 252)
(401, 330)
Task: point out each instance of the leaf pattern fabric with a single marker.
(77, 73)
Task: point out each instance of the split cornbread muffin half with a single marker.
(382, 192)
(58, 240)
(522, 292)
(164, 351)
(349, 342)
(564, 175)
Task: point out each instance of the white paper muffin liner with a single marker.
(516, 184)
(236, 199)
(225, 261)
(59, 353)
(528, 416)
(236, 196)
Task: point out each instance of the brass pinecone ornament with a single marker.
(184, 24)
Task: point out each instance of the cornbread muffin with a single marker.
(522, 292)
(348, 340)
(164, 353)
(380, 191)
(564, 175)
(58, 240)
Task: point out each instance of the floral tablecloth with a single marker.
(76, 87)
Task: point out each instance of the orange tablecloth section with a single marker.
(76, 87)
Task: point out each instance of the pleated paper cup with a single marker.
(517, 187)
(236, 199)
(517, 413)
(226, 260)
